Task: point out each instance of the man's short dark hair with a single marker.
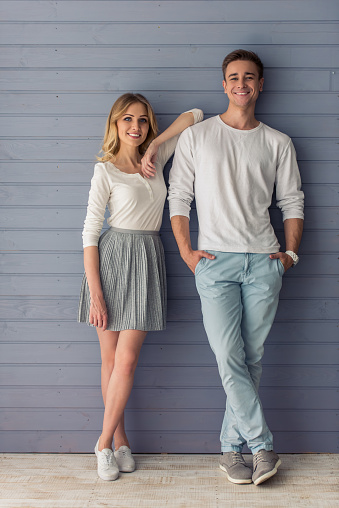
(243, 54)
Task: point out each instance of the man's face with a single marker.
(242, 84)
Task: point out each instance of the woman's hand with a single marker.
(98, 312)
(149, 159)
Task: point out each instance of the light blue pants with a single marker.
(239, 298)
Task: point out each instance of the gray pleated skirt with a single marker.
(133, 279)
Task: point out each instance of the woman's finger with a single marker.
(104, 322)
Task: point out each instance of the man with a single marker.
(230, 164)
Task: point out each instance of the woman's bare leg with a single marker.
(120, 384)
(108, 343)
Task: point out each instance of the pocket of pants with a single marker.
(199, 265)
(281, 267)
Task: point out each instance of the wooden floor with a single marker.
(70, 481)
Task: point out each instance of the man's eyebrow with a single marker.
(236, 74)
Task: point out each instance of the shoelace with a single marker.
(106, 460)
(237, 457)
(257, 457)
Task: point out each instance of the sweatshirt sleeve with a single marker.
(181, 178)
(168, 147)
(290, 198)
(98, 197)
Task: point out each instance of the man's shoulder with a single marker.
(200, 128)
(274, 134)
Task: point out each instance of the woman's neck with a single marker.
(128, 159)
(128, 155)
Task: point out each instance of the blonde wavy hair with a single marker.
(111, 142)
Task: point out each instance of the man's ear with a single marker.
(224, 86)
(261, 84)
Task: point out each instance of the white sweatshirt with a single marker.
(232, 173)
(134, 202)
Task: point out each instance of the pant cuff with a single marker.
(267, 447)
(226, 449)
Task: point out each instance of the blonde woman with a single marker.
(123, 293)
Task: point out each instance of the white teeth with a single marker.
(134, 135)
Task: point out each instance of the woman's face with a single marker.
(133, 125)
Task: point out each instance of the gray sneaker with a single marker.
(235, 467)
(265, 465)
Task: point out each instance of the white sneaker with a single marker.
(107, 466)
(125, 459)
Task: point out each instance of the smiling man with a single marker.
(231, 163)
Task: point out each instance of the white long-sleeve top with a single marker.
(232, 173)
(134, 202)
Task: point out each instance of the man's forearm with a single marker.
(181, 231)
(293, 232)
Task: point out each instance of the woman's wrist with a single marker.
(156, 143)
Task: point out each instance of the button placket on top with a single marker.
(148, 187)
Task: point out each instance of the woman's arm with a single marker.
(180, 124)
(98, 311)
(98, 197)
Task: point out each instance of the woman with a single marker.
(123, 293)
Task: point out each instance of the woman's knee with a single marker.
(126, 364)
(108, 361)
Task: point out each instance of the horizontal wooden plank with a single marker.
(283, 80)
(77, 195)
(165, 354)
(65, 308)
(36, 441)
(178, 286)
(81, 172)
(171, 421)
(91, 126)
(67, 382)
(68, 149)
(72, 263)
(175, 333)
(165, 103)
(129, 11)
(154, 398)
(65, 217)
(169, 33)
(191, 56)
(313, 242)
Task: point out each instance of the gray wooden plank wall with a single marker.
(63, 63)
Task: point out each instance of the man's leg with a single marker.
(219, 285)
(260, 297)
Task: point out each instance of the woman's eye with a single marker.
(127, 118)
(143, 120)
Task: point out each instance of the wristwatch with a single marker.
(293, 256)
